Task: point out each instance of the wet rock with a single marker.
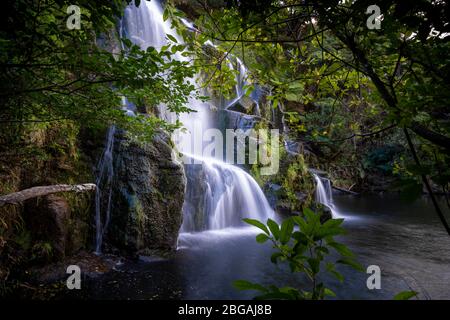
(245, 105)
(272, 192)
(326, 214)
(238, 108)
(148, 194)
(90, 265)
(195, 196)
(324, 211)
(283, 207)
(275, 187)
(276, 196)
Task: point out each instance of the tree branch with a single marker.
(430, 135)
(20, 196)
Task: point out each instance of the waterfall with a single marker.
(240, 78)
(218, 194)
(145, 26)
(230, 194)
(324, 193)
(105, 173)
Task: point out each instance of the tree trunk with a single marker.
(20, 196)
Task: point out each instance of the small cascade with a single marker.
(324, 193)
(105, 173)
(241, 78)
(229, 194)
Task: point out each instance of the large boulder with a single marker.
(47, 219)
(58, 226)
(147, 197)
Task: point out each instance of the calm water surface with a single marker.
(406, 240)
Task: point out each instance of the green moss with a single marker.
(298, 179)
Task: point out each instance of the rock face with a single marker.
(62, 224)
(48, 219)
(195, 200)
(147, 197)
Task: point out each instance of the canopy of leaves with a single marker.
(50, 72)
(346, 88)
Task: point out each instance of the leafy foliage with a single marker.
(345, 89)
(59, 90)
(51, 73)
(302, 242)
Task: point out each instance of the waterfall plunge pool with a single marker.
(405, 240)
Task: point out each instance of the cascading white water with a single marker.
(105, 174)
(145, 26)
(324, 193)
(240, 78)
(230, 193)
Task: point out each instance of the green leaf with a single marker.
(274, 257)
(286, 231)
(171, 38)
(322, 249)
(328, 232)
(261, 238)
(309, 214)
(329, 292)
(300, 237)
(312, 222)
(314, 264)
(300, 221)
(333, 223)
(257, 224)
(127, 42)
(341, 249)
(166, 14)
(275, 103)
(246, 285)
(352, 263)
(405, 295)
(293, 97)
(330, 267)
(273, 226)
(296, 85)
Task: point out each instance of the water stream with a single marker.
(104, 180)
(324, 194)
